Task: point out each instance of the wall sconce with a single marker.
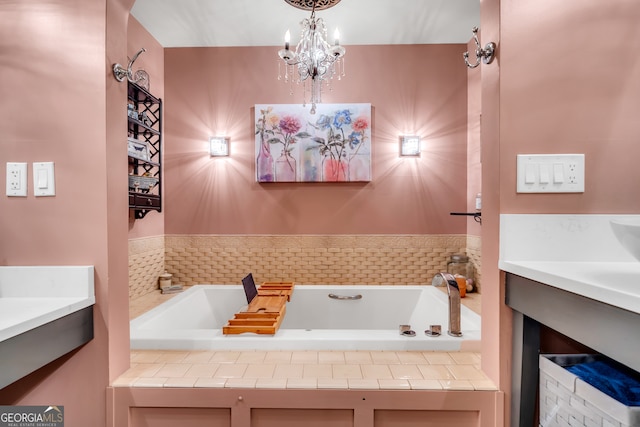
(486, 55)
(218, 146)
(410, 146)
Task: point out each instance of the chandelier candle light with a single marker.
(314, 59)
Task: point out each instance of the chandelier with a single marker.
(314, 60)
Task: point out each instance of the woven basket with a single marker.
(566, 400)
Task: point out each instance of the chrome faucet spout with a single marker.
(454, 304)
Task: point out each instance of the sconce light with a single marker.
(410, 145)
(486, 55)
(218, 146)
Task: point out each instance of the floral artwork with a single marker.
(332, 145)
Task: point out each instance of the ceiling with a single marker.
(191, 23)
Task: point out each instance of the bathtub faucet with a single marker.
(454, 304)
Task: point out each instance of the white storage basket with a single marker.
(566, 400)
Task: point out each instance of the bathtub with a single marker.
(193, 320)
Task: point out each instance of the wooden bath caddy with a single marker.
(265, 312)
(276, 289)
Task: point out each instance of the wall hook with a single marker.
(140, 77)
(487, 54)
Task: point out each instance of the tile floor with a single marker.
(377, 370)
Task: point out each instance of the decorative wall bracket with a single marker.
(140, 77)
(486, 55)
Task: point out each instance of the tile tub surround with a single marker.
(312, 369)
(373, 370)
(575, 253)
(31, 296)
(312, 259)
(146, 263)
(369, 259)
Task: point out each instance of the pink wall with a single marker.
(419, 88)
(56, 59)
(569, 83)
(474, 163)
(565, 81)
(117, 16)
(496, 316)
(152, 61)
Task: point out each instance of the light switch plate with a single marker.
(17, 179)
(43, 179)
(550, 173)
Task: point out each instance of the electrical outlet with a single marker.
(572, 176)
(17, 179)
(14, 179)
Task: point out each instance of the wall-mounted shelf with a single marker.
(144, 116)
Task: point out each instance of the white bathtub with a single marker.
(194, 319)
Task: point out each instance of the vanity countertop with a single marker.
(33, 296)
(613, 283)
(576, 253)
(19, 315)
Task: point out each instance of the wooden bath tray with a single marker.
(258, 323)
(276, 288)
(265, 312)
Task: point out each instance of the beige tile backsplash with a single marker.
(146, 263)
(305, 259)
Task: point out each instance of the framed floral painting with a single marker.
(332, 145)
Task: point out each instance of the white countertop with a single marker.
(33, 296)
(613, 283)
(575, 253)
(19, 315)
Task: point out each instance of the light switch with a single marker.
(558, 173)
(544, 174)
(44, 179)
(529, 173)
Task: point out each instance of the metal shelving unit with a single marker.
(144, 114)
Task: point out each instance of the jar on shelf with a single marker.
(164, 280)
(460, 266)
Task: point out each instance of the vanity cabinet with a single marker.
(541, 311)
(144, 144)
